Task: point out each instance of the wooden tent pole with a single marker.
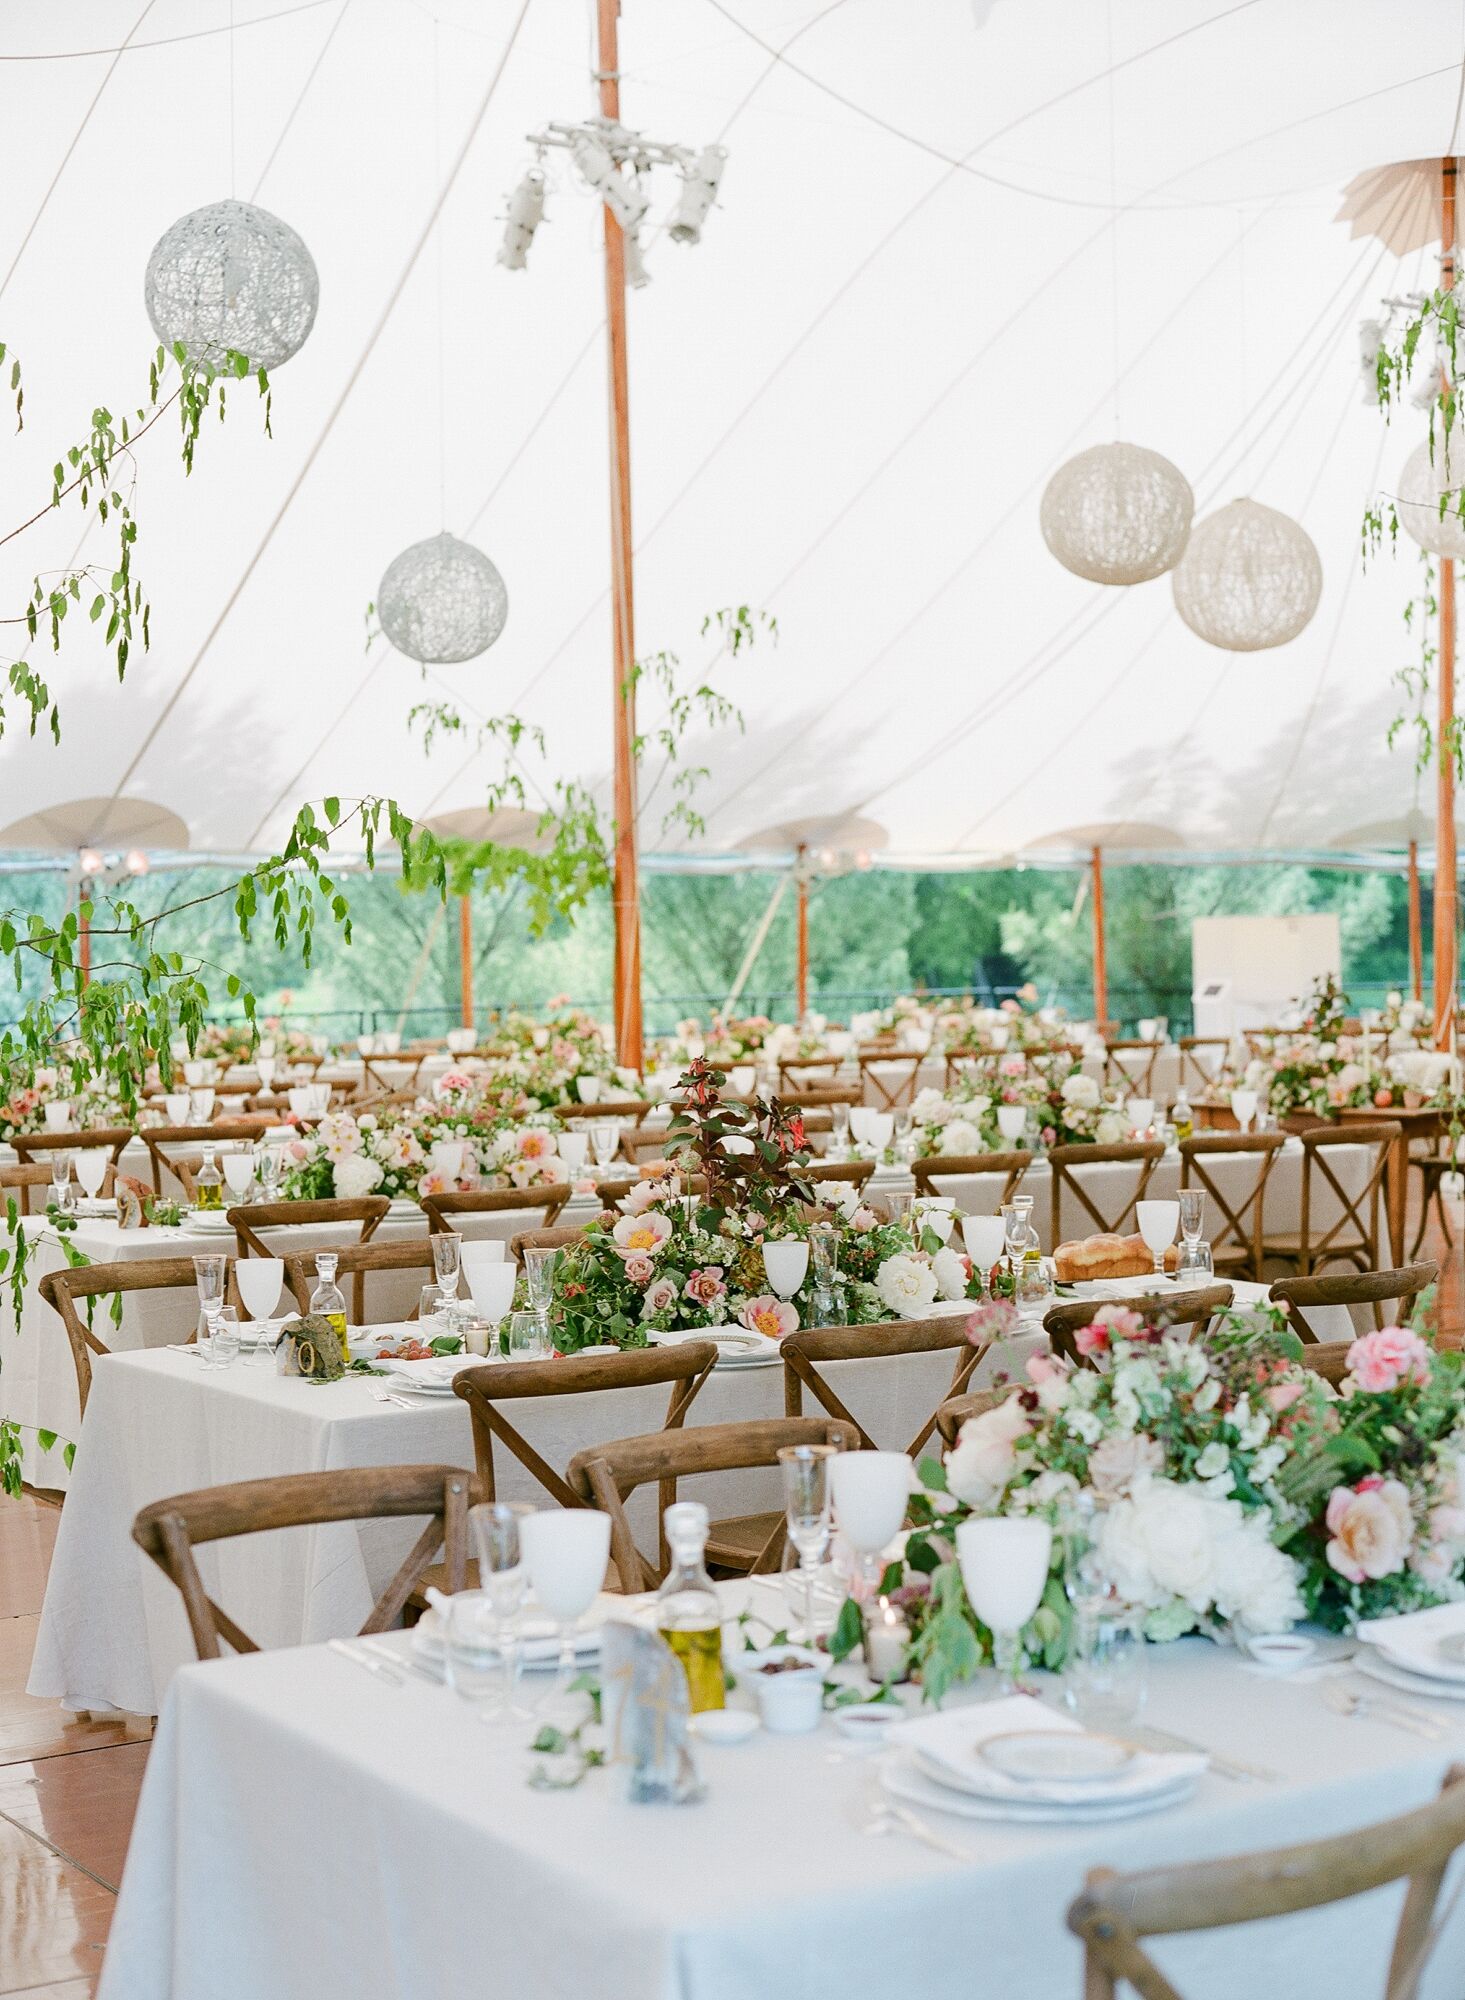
(801, 878)
(1445, 898)
(1101, 975)
(626, 890)
(465, 957)
(1416, 939)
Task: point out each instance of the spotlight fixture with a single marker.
(599, 168)
(700, 182)
(135, 861)
(89, 861)
(637, 274)
(526, 212)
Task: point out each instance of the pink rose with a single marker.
(297, 1149)
(1378, 1362)
(1370, 1528)
(659, 1297)
(639, 1269)
(705, 1287)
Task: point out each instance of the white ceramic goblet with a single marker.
(787, 1264)
(870, 1491)
(565, 1553)
(1244, 1107)
(1004, 1566)
(984, 1237)
(91, 1169)
(1011, 1121)
(260, 1280)
(1158, 1222)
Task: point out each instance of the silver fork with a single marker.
(887, 1817)
(1343, 1701)
(380, 1395)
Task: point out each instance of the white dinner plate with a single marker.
(209, 1222)
(1044, 1755)
(902, 1776)
(541, 1646)
(1379, 1667)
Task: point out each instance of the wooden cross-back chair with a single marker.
(66, 1290)
(640, 1148)
(559, 1238)
(16, 1182)
(631, 1109)
(814, 1073)
(683, 1368)
(1195, 1073)
(954, 1412)
(1327, 1358)
(1130, 1063)
(36, 1148)
(818, 1096)
(1396, 1290)
(443, 1210)
(1193, 1308)
(960, 1166)
(852, 1173)
(1352, 1237)
(158, 1138)
(608, 1193)
(391, 1086)
(892, 1092)
(1236, 1245)
(356, 1262)
(959, 1061)
(368, 1211)
(1117, 1912)
(170, 1530)
(815, 1347)
(1144, 1155)
(605, 1476)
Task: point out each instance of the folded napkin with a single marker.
(1413, 1640)
(947, 1743)
(440, 1370)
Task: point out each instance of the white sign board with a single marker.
(1267, 963)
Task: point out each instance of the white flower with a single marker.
(1112, 1129)
(1267, 1461)
(366, 1122)
(356, 1175)
(1080, 1090)
(982, 1460)
(338, 1136)
(1167, 1541)
(959, 1137)
(950, 1274)
(1216, 1458)
(980, 1106)
(1207, 1395)
(931, 1108)
(905, 1284)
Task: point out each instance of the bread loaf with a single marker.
(1108, 1257)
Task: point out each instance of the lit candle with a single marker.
(887, 1640)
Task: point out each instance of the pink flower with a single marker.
(535, 1143)
(585, 1185)
(433, 1182)
(641, 1197)
(863, 1219)
(1109, 1324)
(1370, 1528)
(1282, 1395)
(646, 1232)
(1043, 1367)
(769, 1316)
(1378, 1362)
(993, 1320)
(659, 1297)
(639, 1268)
(297, 1149)
(705, 1287)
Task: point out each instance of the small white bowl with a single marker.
(1281, 1652)
(789, 1703)
(868, 1722)
(724, 1725)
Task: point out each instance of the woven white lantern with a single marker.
(1250, 578)
(232, 277)
(1421, 485)
(442, 601)
(1117, 514)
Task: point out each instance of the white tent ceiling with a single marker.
(845, 402)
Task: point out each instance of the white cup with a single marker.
(1012, 1120)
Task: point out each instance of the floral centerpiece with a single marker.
(434, 1147)
(545, 1060)
(1225, 1487)
(92, 1106)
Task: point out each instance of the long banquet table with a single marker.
(306, 1828)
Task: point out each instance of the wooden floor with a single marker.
(68, 1789)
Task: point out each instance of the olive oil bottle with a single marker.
(688, 1614)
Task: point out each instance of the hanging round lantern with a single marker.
(442, 601)
(1250, 578)
(1117, 514)
(1423, 483)
(232, 278)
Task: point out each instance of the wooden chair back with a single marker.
(955, 1166)
(1328, 1358)
(369, 1211)
(608, 1193)
(170, 1530)
(683, 1368)
(66, 1289)
(606, 1475)
(1195, 1308)
(1116, 1912)
(813, 1347)
(1196, 1072)
(852, 1173)
(1143, 1154)
(356, 1262)
(158, 1138)
(1337, 1243)
(641, 1147)
(542, 1239)
(1373, 1289)
(954, 1412)
(818, 1096)
(631, 1109)
(796, 1078)
(1238, 1239)
(1130, 1064)
(34, 1147)
(442, 1210)
(896, 1087)
(19, 1180)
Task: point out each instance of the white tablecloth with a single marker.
(37, 1375)
(306, 1829)
(112, 1628)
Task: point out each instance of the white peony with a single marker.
(983, 1460)
(905, 1284)
(931, 1108)
(1080, 1091)
(950, 1274)
(960, 1137)
(356, 1175)
(1166, 1541)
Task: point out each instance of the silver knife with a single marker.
(1223, 1766)
(361, 1658)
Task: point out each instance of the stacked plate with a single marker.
(1014, 1759)
(737, 1346)
(425, 1378)
(209, 1222)
(538, 1632)
(1423, 1651)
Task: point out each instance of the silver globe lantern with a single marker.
(1250, 578)
(1424, 482)
(232, 278)
(1117, 514)
(442, 601)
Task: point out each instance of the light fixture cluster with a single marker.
(93, 866)
(616, 164)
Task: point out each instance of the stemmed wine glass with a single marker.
(447, 1263)
(1017, 1226)
(177, 1104)
(565, 1552)
(1158, 1221)
(806, 1506)
(268, 1162)
(91, 1169)
(208, 1275)
(1244, 1107)
(870, 1490)
(838, 1130)
(540, 1261)
(238, 1168)
(483, 1643)
(786, 1262)
(605, 1138)
(1192, 1206)
(983, 1236)
(201, 1106)
(1004, 1567)
(61, 1190)
(260, 1280)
